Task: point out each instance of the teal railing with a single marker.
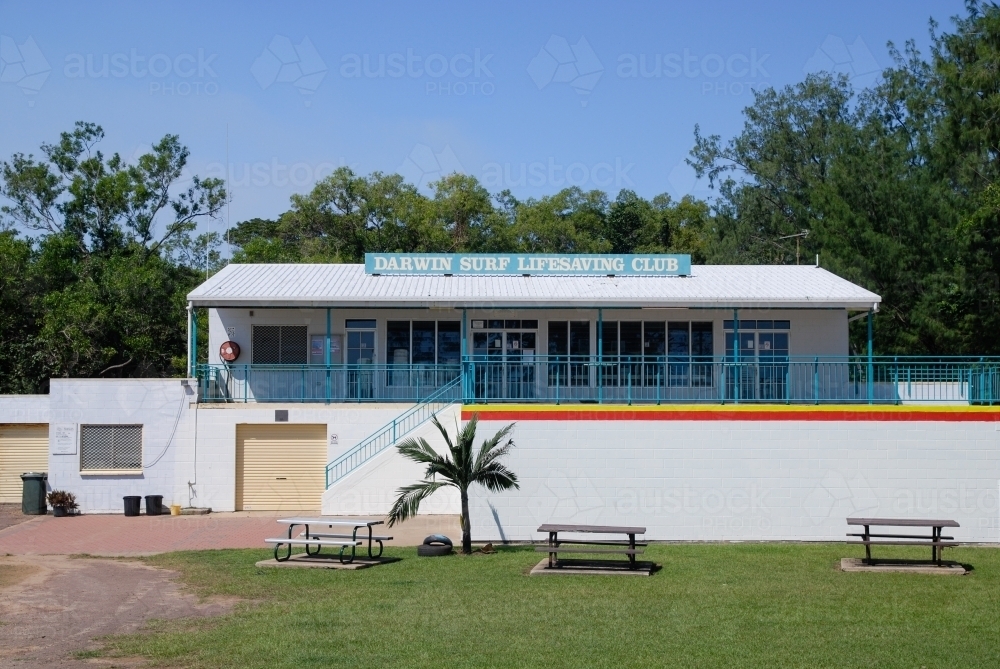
(507, 376)
(390, 433)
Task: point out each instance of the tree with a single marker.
(460, 468)
(101, 291)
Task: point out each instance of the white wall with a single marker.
(184, 470)
(217, 423)
(24, 409)
(161, 406)
(371, 488)
(735, 480)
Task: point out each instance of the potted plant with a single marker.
(62, 502)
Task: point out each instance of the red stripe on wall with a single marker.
(722, 415)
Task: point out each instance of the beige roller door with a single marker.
(23, 448)
(280, 467)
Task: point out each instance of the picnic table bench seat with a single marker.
(615, 551)
(377, 538)
(302, 541)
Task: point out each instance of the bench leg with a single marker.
(553, 542)
(287, 555)
(868, 547)
(380, 549)
(631, 556)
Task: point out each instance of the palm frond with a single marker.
(495, 477)
(410, 497)
(490, 451)
(419, 451)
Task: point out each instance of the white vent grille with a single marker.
(110, 447)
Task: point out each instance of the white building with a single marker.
(633, 402)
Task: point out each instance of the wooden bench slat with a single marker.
(926, 544)
(557, 549)
(599, 529)
(903, 522)
(895, 536)
(600, 543)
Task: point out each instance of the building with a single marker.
(704, 402)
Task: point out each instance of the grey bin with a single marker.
(33, 493)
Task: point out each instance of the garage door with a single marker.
(280, 467)
(23, 448)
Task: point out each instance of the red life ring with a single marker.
(229, 351)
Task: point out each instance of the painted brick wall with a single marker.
(24, 409)
(745, 480)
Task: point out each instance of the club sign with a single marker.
(514, 264)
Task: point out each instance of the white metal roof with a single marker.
(744, 286)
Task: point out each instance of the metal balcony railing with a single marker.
(772, 379)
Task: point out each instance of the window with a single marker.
(279, 345)
(110, 448)
(449, 342)
(423, 342)
(397, 342)
(657, 353)
(569, 350)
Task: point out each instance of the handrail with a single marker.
(391, 432)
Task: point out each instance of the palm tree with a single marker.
(458, 469)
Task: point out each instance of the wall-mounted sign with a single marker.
(64, 439)
(483, 264)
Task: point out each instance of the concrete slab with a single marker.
(592, 568)
(906, 567)
(301, 560)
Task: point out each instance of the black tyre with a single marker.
(433, 551)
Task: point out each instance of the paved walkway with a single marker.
(144, 535)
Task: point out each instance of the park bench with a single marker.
(936, 542)
(555, 545)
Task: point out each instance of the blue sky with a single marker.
(524, 96)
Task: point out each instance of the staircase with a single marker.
(389, 434)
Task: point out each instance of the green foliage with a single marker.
(460, 468)
(895, 186)
(101, 291)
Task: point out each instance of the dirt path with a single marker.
(53, 606)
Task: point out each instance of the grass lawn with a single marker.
(712, 605)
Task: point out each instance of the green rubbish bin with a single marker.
(33, 493)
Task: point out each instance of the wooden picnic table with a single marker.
(936, 541)
(319, 539)
(554, 547)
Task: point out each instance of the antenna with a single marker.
(798, 237)
(229, 191)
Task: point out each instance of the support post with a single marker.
(737, 375)
(194, 343)
(600, 356)
(190, 357)
(466, 381)
(328, 342)
(871, 366)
